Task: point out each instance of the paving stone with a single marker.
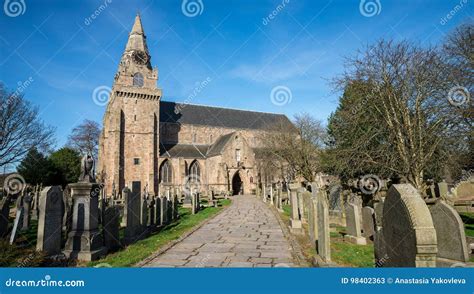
(246, 234)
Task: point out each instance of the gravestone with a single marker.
(335, 197)
(295, 221)
(67, 217)
(408, 233)
(264, 193)
(151, 213)
(313, 221)
(27, 211)
(85, 241)
(4, 216)
(301, 204)
(353, 222)
(50, 217)
(368, 222)
(324, 241)
(194, 205)
(442, 190)
(449, 232)
(271, 195)
(157, 213)
(163, 211)
(111, 228)
(170, 209)
(143, 212)
(175, 207)
(132, 212)
(18, 222)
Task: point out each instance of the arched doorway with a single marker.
(237, 186)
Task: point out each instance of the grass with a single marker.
(342, 253)
(468, 220)
(139, 250)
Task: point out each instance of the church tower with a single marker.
(128, 149)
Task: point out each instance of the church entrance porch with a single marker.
(237, 185)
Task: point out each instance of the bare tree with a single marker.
(395, 115)
(297, 146)
(85, 137)
(20, 128)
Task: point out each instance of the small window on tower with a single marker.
(138, 80)
(136, 161)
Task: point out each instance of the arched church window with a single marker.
(194, 172)
(166, 173)
(138, 80)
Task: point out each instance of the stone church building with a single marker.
(165, 144)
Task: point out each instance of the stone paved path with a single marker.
(246, 234)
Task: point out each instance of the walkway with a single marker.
(246, 234)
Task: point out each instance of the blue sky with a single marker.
(67, 54)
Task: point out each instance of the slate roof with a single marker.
(218, 146)
(183, 150)
(171, 112)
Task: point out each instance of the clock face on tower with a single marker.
(140, 57)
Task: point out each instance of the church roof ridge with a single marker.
(221, 107)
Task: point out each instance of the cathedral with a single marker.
(154, 144)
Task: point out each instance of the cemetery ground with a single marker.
(140, 250)
(344, 254)
(24, 254)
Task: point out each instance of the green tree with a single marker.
(68, 162)
(36, 168)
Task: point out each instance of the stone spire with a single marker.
(137, 38)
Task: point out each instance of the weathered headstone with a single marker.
(27, 211)
(143, 212)
(164, 210)
(295, 221)
(151, 213)
(157, 213)
(313, 221)
(272, 202)
(132, 213)
(194, 205)
(442, 190)
(111, 228)
(19, 215)
(368, 222)
(175, 207)
(324, 241)
(353, 223)
(449, 232)
(408, 233)
(301, 204)
(85, 241)
(51, 209)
